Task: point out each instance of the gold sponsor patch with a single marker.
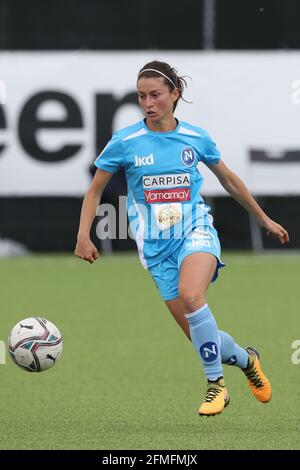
(167, 215)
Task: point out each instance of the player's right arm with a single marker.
(85, 249)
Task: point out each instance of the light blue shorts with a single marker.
(166, 273)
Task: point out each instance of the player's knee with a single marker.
(192, 300)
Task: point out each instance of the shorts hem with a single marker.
(220, 264)
(169, 297)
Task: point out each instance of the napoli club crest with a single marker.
(209, 351)
(188, 156)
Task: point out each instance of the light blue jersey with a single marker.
(164, 182)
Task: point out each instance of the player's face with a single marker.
(156, 99)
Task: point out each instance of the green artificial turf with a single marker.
(128, 378)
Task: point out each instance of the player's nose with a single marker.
(148, 103)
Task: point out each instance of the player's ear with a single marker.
(175, 94)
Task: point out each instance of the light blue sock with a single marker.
(206, 340)
(232, 354)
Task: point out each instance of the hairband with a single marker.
(161, 73)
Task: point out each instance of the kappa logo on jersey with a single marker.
(163, 181)
(188, 156)
(140, 161)
(209, 351)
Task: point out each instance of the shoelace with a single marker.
(211, 394)
(254, 378)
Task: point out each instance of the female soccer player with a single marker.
(172, 226)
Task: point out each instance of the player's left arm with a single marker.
(239, 191)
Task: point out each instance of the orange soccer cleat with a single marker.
(216, 399)
(257, 381)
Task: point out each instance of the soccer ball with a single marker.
(35, 344)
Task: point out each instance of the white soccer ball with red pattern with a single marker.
(35, 344)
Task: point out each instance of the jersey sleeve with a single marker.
(111, 157)
(210, 153)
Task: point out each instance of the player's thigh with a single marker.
(195, 275)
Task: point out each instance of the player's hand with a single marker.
(86, 250)
(275, 230)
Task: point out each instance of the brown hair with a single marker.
(167, 70)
